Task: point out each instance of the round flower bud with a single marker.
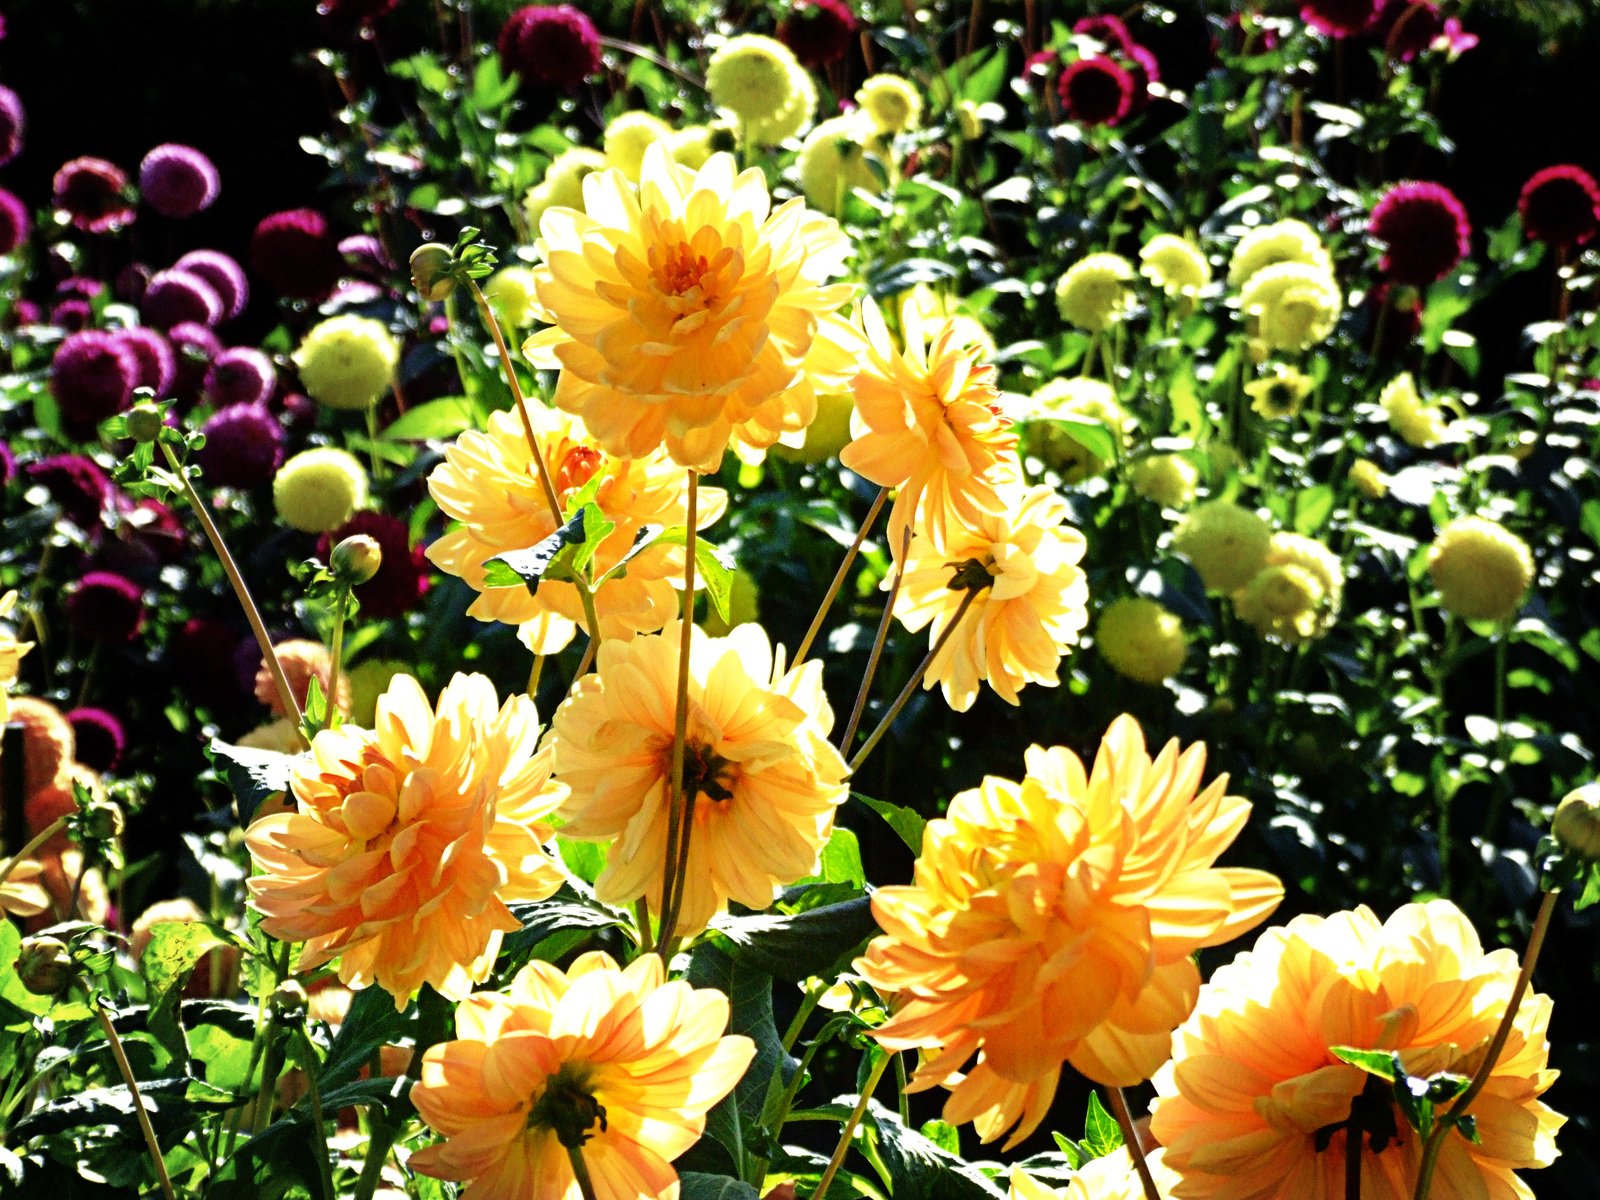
(1295, 306)
(1141, 640)
(45, 966)
(1577, 822)
(318, 490)
(178, 181)
(348, 361)
(430, 271)
(355, 560)
(1226, 544)
(1174, 264)
(144, 423)
(102, 821)
(1296, 594)
(1168, 479)
(891, 103)
(626, 139)
(402, 576)
(1094, 291)
(1482, 569)
(288, 1002)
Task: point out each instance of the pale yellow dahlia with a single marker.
(1029, 597)
(1368, 478)
(1227, 544)
(1256, 1106)
(761, 776)
(620, 1062)
(928, 422)
(1288, 241)
(407, 840)
(22, 895)
(1294, 306)
(1109, 1177)
(1295, 595)
(1168, 479)
(1094, 292)
(1280, 395)
(510, 290)
(1054, 920)
(1141, 639)
(1415, 421)
(1078, 399)
(1174, 264)
(489, 483)
(627, 136)
(755, 78)
(562, 185)
(1481, 568)
(891, 103)
(686, 313)
(348, 361)
(841, 154)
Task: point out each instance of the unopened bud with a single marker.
(431, 264)
(144, 423)
(356, 559)
(102, 821)
(44, 965)
(289, 1001)
(1577, 822)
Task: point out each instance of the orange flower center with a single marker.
(578, 466)
(682, 272)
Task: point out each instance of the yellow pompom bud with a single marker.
(1482, 569)
(1094, 292)
(1577, 822)
(1227, 544)
(1174, 264)
(318, 490)
(628, 136)
(430, 271)
(45, 966)
(347, 361)
(144, 423)
(1296, 594)
(1168, 479)
(891, 103)
(1281, 242)
(1141, 640)
(1295, 306)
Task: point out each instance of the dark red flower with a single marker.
(176, 297)
(1424, 231)
(75, 484)
(1407, 27)
(92, 378)
(818, 31)
(1096, 91)
(555, 46)
(90, 193)
(225, 276)
(1560, 205)
(193, 348)
(106, 607)
(156, 363)
(13, 123)
(1108, 30)
(296, 254)
(402, 576)
(1339, 18)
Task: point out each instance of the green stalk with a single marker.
(848, 1132)
(153, 1146)
(839, 577)
(680, 724)
(44, 835)
(1130, 1136)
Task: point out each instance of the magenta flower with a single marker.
(91, 194)
(550, 46)
(1560, 205)
(1424, 231)
(1096, 91)
(178, 181)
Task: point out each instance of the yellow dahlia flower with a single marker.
(760, 773)
(929, 306)
(22, 895)
(928, 422)
(348, 361)
(1294, 306)
(1295, 595)
(754, 78)
(1168, 479)
(692, 145)
(793, 119)
(562, 186)
(510, 290)
(619, 1061)
(1279, 396)
(1281, 242)
(1054, 920)
(839, 155)
(1255, 1104)
(1414, 420)
(1109, 1177)
(1094, 292)
(489, 483)
(1481, 568)
(1368, 479)
(1031, 598)
(1227, 544)
(626, 138)
(407, 840)
(1174, 264)
(1141, 640)
(1080, 399)
(320, 489)
(891, 103)
(685, 313)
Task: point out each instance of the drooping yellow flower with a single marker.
(510, 290)
(1416, 421)
(891, 103)
(1481, 568)
(1109, 1177)
(1030, 598)
(1295, 595)
(488, 482)
(1227, 544)
(1077, 399)
(928, 422)
(1294, 306)
(407, 840)
(685, 312)
(1094, 292)
(1141, 639)
(1053, 920)
(1175, 265)
(758, 768)
(841, 154)
(1288, 241)
(620, 1062)
(1255, 1104)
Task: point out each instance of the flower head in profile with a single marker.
(758, 769)
(1281, 241)
(489, 482)
(1295, 595)
(688, 313)
(1418, 422)
(407, 840)
(1256, 1104)
(840, 155)
(1481, 568)
(1029, 597)
(1174, 264)
(619, 1063)
(1293, 306)
(1093, 294)
(928, 422)
(1053, 920)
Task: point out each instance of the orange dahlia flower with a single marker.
(686, 312)
(1053, 920)
(758, 766)
(928, 422)
(1031, 599)
(1255, 1104)
(488, 482)
(617, 1062)
(407, 840)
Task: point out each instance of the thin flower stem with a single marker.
(641, 914)
(580, 1172)
(651, 56)
(591, 615)
(280, 681)
(1130, 1137)
(877, 645)
(909, 690)
(336, 654)
(518, 400)
(48, 832)
(533, 676)
(468, 382)
(138, 1101)
(838, 578)
(1435, 1142)
(319, 1134)
(585, 662)
(1352, 1161)
(670, 914)
(680, 724)
(757, 1177)
(848, 1132)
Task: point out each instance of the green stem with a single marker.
(1130, 1137)
(145, 1128)
(680, 724)
(849, 1130)
(213, 535)
(877, 644)
(453, 336)
(641, 914)
(580, 1172)
(341, 606)
(1435, 1142)
(839, 577)
(44, 835)
(319, 1132)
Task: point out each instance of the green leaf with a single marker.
(903, 821)
(943, 1135)
(371, 1022)
(562, 912)
(894, 279)
(1073, 1151)
(1382, 1063)
(175, 947)
(1091, 435)
(584, 859)
(798, 946)
(11, 988)
(436, 419)
(562, 555)
(982, 83)
(841, 859)
(226, 1057)
(251, 775)
(920, 1169)
(170, 1104)
(749, 993)
(1101, 1133)
(713, 568)
(694, 1185)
